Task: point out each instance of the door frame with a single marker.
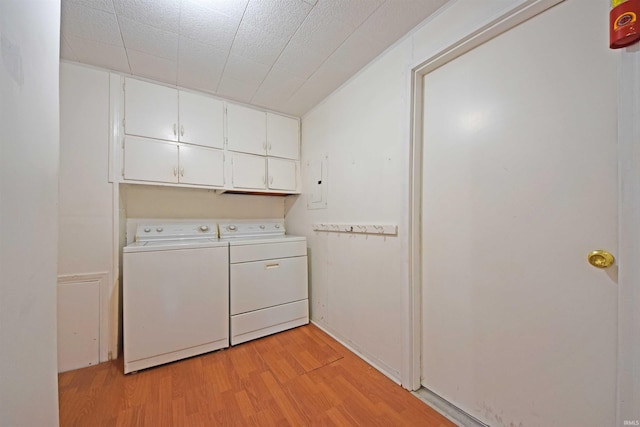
(628, 381)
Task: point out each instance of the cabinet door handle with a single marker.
(271, 180)
(175, 129)
(181, 130)
(270, 266)
(175, 171)
(269, 146)
(264, 145)
(181, 171)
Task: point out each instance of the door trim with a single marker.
(628, 381)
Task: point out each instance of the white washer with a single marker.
(175, 294)
(267, 279)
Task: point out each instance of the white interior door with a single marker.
(519, 185)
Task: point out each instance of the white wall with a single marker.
(150, 201)
(85, 215)
(85, 205)
(29, 124)
(351, 275)
(356, 281)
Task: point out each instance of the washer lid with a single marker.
(167, 245)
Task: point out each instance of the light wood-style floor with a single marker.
(300, 377)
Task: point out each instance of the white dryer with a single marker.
(175, 294)
(267, 279)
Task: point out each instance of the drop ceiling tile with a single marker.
(258, 51)
(276, 89)
(280, 17)
(202, 54)
(104, 5)
(236, 89)
(199, 79)
(299, 60)
(351, 12)
(163, 14)
(148, 39)
(207, 26)
(356, 52)
(153, 67)
(322, 83)
(200, 65)
(321, 33)
(65, 50)
(299, 105)
(234, 8)
(394, 19)
(92, 24)
(99, 54)
(257, 44)
(246, 70)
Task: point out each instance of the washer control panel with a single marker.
(181, 231)
(233, 230)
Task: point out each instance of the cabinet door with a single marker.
(283, 136)
(246, 130)
(150, 110)
(248, 171)
(201, 120)
(282, 174)
(150, 160)
(201, 166)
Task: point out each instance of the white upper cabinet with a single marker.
(248, 171)
(150, 110)
(201, 120)
(153, 160)
(256, 132)
(150, 160)
(283, 136)
(259, 173)
(201, 166)
(161, 112)
(281, 174)
(246, 130)
(180, 137)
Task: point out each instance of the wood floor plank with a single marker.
(301, 377)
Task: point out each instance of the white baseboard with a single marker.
(446, 409)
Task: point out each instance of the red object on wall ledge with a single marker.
(623, 23)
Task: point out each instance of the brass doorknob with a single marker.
(600, 258)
